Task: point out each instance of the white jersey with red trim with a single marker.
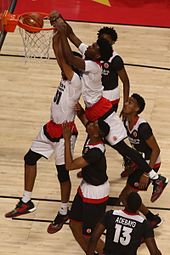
(67, 95)
(92, 88)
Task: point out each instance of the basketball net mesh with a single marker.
(36, 45)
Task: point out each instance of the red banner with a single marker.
(134, 12)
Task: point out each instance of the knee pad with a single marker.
(31, 158)
(63, 174)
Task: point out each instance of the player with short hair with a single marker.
(50, 139)
(125, 229)
(112, 70)
(143, 140)
(98, 107)
(90, 202)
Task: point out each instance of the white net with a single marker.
(36, 45)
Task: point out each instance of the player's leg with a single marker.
(76, 221)
(65, 186)
(92, 213)
(25, 205)
(116, 138)
(132, 186)
(159, 181)
(65, 189)
(41, 146)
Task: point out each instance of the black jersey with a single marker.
(138, 135)
(95, 172)
(109, 71)
(124, 232)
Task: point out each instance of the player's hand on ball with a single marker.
(54, 15)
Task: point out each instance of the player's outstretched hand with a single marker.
(54, 15)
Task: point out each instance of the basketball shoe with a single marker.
(57, 224)
(21, 208)
(158, 187)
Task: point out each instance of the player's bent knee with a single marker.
(63, 174)
(31, 158)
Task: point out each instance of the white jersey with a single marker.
(92, 88)
(67, 95)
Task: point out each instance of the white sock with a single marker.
(26, 196)
(63, 208)
(153, 175)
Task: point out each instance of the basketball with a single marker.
(33, 19)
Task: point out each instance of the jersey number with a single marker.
(57, 97)
(122, 234)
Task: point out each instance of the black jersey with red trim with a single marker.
(95, 172)
(109, 71)
(138, 135)
(124, 232)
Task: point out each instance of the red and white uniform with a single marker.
(50, 138)
(96, 105)
(67, 95)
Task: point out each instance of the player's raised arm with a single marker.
(81, 114)
(54, 16)
(67, 52)
(65, 68)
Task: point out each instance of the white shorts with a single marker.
(90, 191)
(112, 95)
(117, 130)
(42, 145)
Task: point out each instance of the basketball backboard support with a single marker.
(5, 5)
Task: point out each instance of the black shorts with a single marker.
(87, 213)
(133, 179)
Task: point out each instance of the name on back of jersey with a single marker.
(126, 222)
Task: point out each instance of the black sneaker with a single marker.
(158, 187)
(21, 208)
(156, 221)
(57, 224)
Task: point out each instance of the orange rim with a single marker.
(30, 28)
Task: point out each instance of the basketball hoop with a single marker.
(36, 40)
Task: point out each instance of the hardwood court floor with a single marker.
(26, 92)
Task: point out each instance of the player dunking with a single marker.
(98, 107)
(50, 139)
(125, 229)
